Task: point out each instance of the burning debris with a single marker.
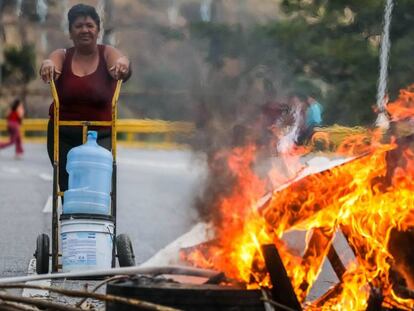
(368, 198)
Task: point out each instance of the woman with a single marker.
(14, 121)
(85, 77)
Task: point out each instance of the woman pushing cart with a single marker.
(85, 81)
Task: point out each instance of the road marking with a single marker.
(152, 164)
(32, 267)
(46, 177)
(170, 255)
(13, 170)
(49, 205)
(29, 292)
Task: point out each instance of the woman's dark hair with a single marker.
(15, 104)
(83, 10)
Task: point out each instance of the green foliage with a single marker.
(331, 43)
(171, 33)
(336, 43)
(225, 41)
(19, 64)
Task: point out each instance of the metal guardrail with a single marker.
(163, 134)
(134, 132)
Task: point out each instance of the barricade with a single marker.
(134, 132)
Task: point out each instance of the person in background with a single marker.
(14, 121)
(86, 76)
(313, 118)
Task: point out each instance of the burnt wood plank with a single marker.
(282, 291)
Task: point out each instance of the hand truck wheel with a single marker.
(126, 257)
(42, 254)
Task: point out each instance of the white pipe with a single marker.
(182, 270)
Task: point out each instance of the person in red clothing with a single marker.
(14, 121)
(85, 76)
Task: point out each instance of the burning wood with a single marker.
(282, 290)
(368, 198)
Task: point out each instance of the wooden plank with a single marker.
(282, 290)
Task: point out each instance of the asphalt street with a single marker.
(156, 191)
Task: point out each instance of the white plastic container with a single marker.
(86, 242)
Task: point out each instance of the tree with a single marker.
(333, 44)
(19, 67)
(337, 42)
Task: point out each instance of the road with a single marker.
(156, 191)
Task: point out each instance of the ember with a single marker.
(369, 199)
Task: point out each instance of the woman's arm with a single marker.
(119, 66)
(20, 111)
(51, 68)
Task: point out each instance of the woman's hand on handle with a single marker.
(121, 70)
(48, 70)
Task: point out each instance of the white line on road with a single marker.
(152, 164)
(49, 205)
(13, 170)
(46, 177)
(29, 292)
(170, 255)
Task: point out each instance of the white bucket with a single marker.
(86, 244)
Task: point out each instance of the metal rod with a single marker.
(85, 123)
(84, 133)
(104, 282)
(55, 225)
(55, 229)
(115, 116)
(182, 270)
(14, 306)
(37, 302)
(102, 297)
(55, 120)
(114, 167)
(113, 209)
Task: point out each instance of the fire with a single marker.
(238, 240)
(369, 199)
(403, 107)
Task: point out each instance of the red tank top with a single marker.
(88, 97)
(14, 117)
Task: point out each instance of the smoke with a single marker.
(239, 101)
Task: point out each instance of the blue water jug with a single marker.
(90, 177)
(86, 202)
(90, 166)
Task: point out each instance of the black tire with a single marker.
(125, 252)
(42, 254)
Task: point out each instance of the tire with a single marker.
(42, 254)
(125, 252)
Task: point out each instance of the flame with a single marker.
(366, 198)
(239, 241)
(403, 107)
